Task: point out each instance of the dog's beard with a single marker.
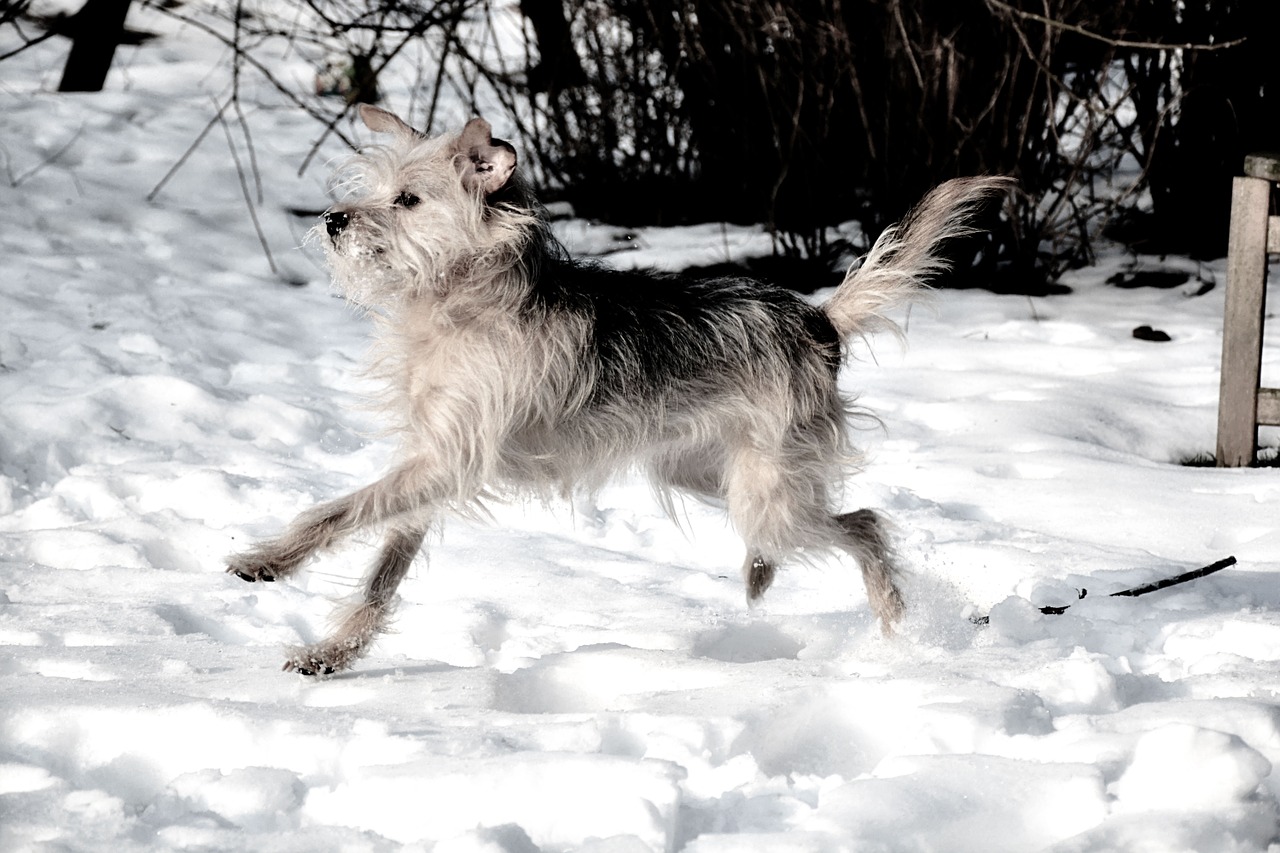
(363, 269)
(362, 279)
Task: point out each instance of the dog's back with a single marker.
(669, 373)
(668, 363)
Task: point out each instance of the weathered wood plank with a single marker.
(1242, 322)
(1269, 406)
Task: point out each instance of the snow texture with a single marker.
(587, 678)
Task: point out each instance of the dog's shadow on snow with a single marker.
(408, 671)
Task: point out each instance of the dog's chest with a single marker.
(441, 358)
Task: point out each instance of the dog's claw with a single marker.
(294, 666)
(251, 577)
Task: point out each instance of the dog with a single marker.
(512, 369)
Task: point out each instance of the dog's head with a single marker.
(424, 215)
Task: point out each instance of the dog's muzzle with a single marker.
(335, 222)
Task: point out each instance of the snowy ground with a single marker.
(588, 680)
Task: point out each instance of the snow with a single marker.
(587, 677)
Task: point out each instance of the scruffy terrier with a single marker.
(512, 369)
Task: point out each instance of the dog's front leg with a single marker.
(405, 499)
(368, 617)
(403, 490)
(310, 532)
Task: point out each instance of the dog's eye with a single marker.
(407, 200)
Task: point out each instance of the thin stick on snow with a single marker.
(1182, 578)
(1133, 592)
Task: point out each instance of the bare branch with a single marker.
(248, 197)
(1005, 8)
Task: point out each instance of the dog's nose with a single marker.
(335, 222)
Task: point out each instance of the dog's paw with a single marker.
(308, 665)
(324, 659)
(250, 571)
(262, 563)
(759, 574)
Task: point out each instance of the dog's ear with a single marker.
(484, 163)
(381, 121)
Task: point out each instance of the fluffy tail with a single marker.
(907, 255)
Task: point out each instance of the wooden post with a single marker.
(1242, 322)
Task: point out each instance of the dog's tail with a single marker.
(908, 255)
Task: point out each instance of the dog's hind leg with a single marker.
(364, 620)
(770, 510)
(702, 472)
(758, 574)
(865, 537)
(778, 508)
